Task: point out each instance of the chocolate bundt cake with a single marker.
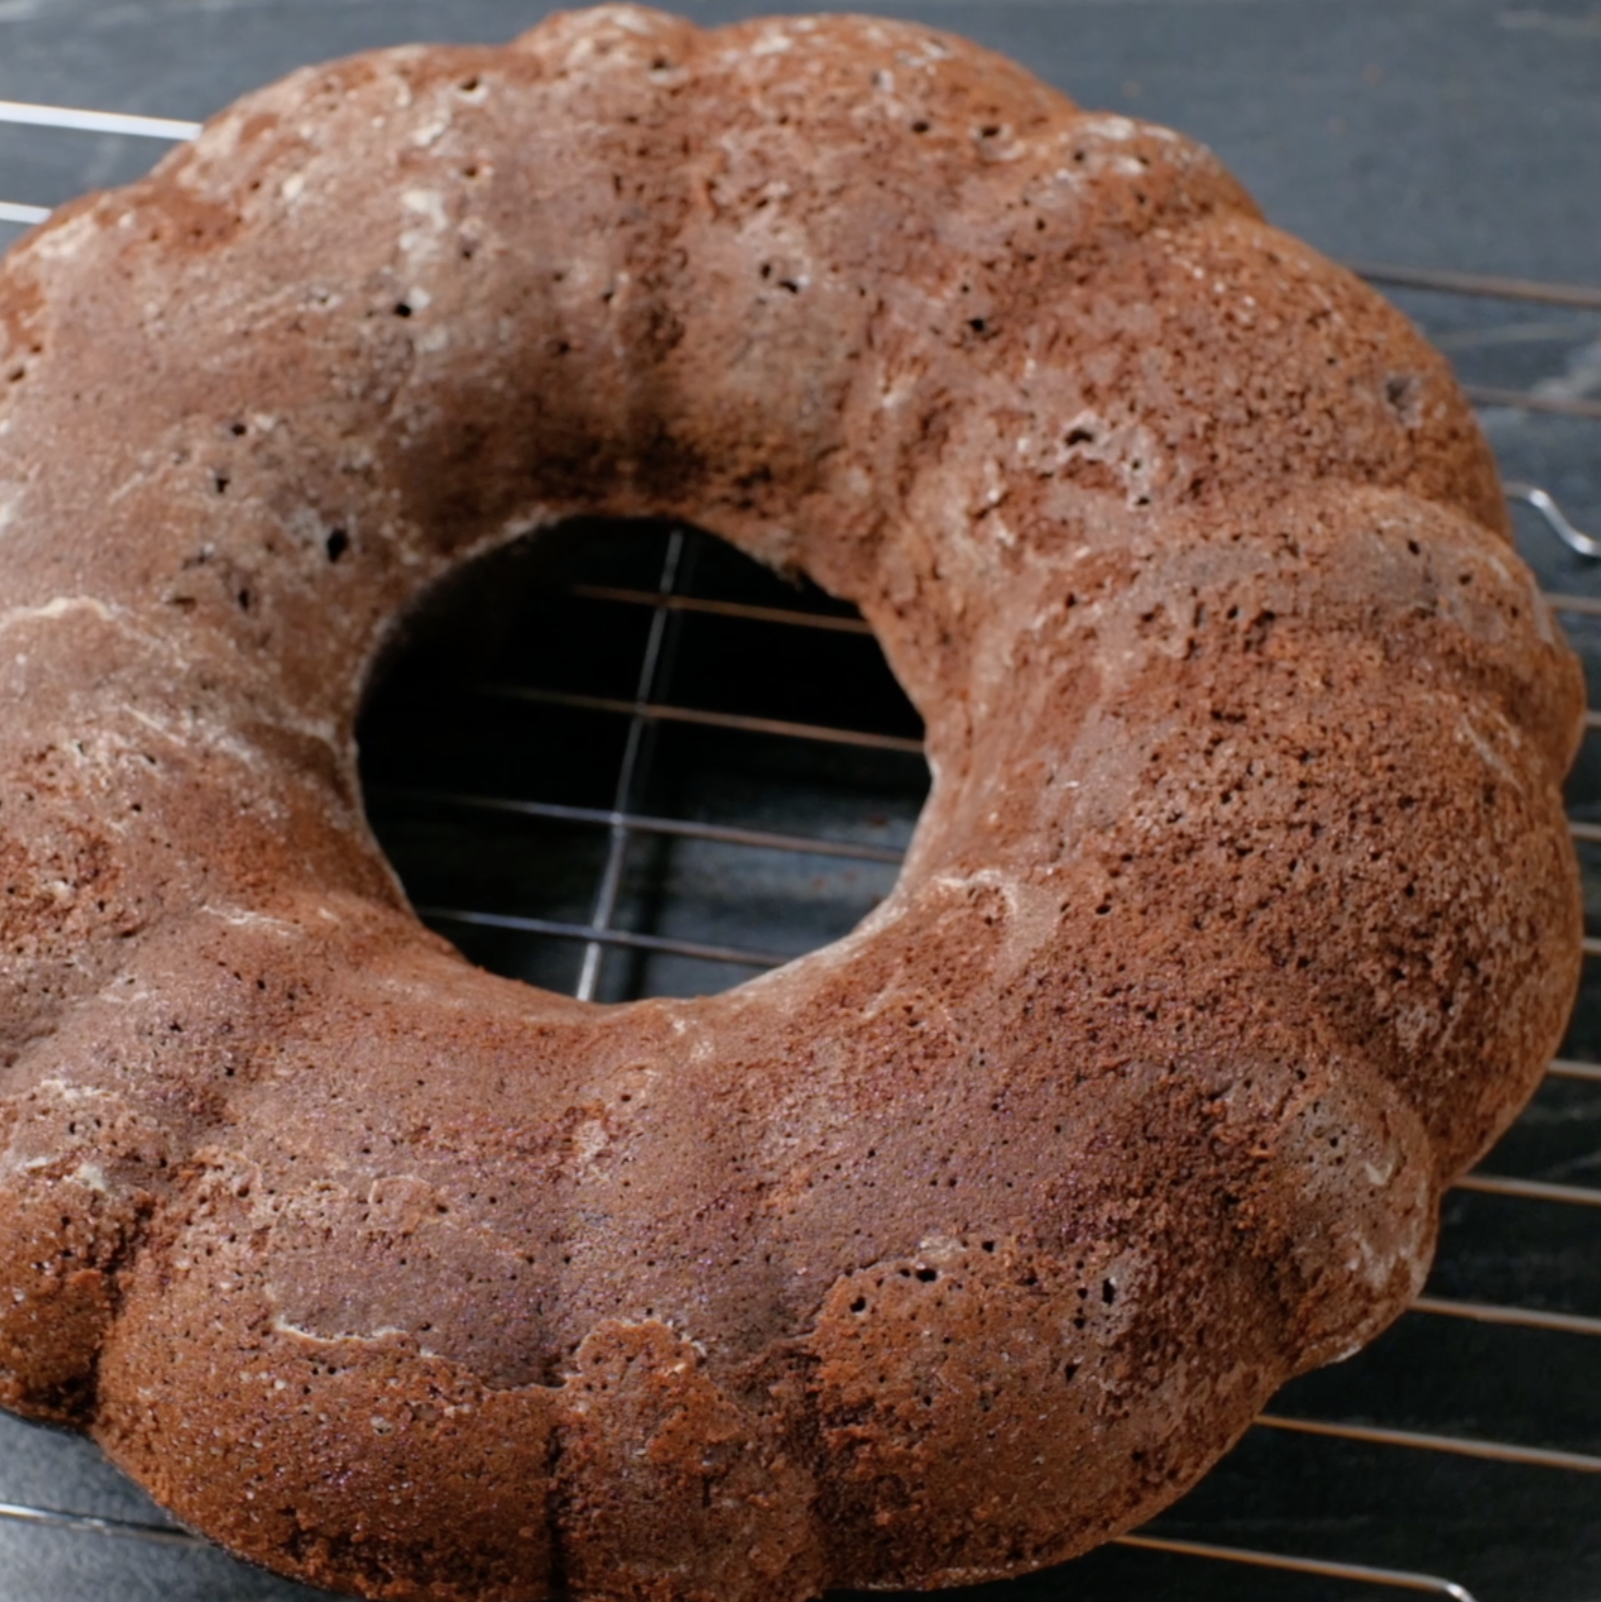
(1241, 918)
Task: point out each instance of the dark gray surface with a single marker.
(1463, 135)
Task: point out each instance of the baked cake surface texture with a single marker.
(1241, 918)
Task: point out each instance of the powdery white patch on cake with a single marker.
(1119, 129)
(190, 730)
(1097, 149)
(429, 205)
(67, 1133)
(423, 1256)
(67, 239)
(1488, 741)
(400, 87)
(51, 1111)
(1031, 920)
(589, 1140)
(1353, 1161)
(772, 40)
(630, 19)
(431, 131)
(58, 607)
(237, 917)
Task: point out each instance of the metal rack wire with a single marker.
(617, 932)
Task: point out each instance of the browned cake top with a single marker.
(1241, 917)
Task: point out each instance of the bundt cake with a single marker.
(1241, 917)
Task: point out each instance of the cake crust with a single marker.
(1241, 917)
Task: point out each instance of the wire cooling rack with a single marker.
(647, 767)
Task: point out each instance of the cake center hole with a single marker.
(622, 760)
